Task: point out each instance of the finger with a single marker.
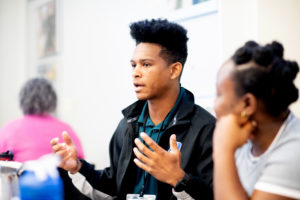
(59, 147)
(67, 138)
(140, 156)
(153, 145)
(173, 143)
(54, 141)
(141, 165)
(62, 153)
(145, 150)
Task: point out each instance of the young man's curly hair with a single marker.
(171, 36)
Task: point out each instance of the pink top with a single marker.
(29, 137)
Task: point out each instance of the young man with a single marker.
(162, 146)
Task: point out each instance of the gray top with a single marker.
(277, 170)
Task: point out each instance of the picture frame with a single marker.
(191, 9)
(47, 29)
(44, 38)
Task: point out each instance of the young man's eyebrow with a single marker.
(142, 60)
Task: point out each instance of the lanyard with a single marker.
(146, 175)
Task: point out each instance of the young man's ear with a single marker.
(175, 70)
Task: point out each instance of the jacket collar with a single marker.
(132, 112)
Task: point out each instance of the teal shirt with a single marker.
(155, 132)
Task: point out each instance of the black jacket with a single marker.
(193, 127)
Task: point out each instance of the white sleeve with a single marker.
(85, 188)
(181, 195)
(80, 182)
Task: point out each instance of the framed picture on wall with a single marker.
(46, 29)
(178, 4)
(44, 38)
(181, 10)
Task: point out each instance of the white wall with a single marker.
(238, 20)
(12, 56)
(263, 21)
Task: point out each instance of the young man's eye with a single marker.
(133, 65)
(146, 64)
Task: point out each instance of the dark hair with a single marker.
(37, 97)
(171, 36)
(262, 71)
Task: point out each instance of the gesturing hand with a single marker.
(163, 165)
(68, 153)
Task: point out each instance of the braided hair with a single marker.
(262, 71)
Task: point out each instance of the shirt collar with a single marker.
(169, 116)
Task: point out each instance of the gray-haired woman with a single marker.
(28, 137)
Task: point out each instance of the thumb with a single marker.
(173, 143)
(67, 138)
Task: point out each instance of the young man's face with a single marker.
(150, 72)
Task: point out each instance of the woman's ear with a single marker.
(249, 104)
(175, 70)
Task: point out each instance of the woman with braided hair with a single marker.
(257, 138)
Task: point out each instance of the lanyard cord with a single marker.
(146, 175)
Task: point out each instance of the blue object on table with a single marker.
(33, 188)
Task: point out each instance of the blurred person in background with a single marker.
(28, 137)
(257, 138)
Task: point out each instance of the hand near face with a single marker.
(67, 152)
(163, 165)
(231, 132)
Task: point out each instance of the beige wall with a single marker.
(280, 20)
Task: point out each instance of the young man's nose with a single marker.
(136, 72)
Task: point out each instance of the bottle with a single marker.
(40, 180)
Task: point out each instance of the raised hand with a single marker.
(68, 153)
(163, 165)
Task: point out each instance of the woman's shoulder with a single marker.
(293, 125)
(290, 132)
(12, 125)
(288, 144)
